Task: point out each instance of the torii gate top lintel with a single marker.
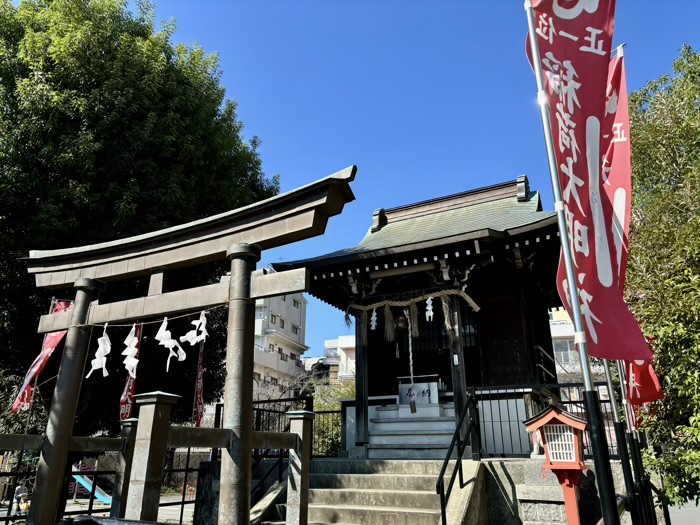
(286, 218)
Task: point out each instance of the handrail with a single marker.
(457, 440)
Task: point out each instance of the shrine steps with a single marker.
(376, 492)
(410, 437)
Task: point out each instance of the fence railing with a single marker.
(502, 410)
(328, 433)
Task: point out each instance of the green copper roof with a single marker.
(494, 211)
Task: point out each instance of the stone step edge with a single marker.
(410, 446)
(377, 474)
(426, 419)
(380, 491)
(373, 508)
(447, 432)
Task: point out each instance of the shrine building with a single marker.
(446, 294)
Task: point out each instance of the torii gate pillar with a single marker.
(236, 462)
(59, 429)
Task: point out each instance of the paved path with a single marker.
(165, 514)
(686, 515)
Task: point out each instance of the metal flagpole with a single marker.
(601, 456)
(622, 444)
(646, 500)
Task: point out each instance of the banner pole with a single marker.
(601, 456)
(622, 444)
(646, 502)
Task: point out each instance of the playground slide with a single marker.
(87, 483)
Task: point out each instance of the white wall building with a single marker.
(280, 332)
(566, 356)
(344, 349)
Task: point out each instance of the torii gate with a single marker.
(238, 234)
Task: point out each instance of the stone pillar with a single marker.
(361, 387)
(236, 461)
(149, 455)
(120, 493)
(301, 424)
(59, 429)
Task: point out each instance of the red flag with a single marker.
(642, 384)
(199, 389)
(616, 169)
(575, 41)
(51, 341)
(126, 401)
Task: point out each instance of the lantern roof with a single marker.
(554, 414)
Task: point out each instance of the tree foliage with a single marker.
(107, 129)
(663, 286)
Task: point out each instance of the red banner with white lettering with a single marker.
(616, 169)
(575, 39)
(51, 341)
(199, 389)
(126, 401)
(643, 385)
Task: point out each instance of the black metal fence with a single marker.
(503, 409)
(328, 434)
(270, 415)
(181, 479)
(15, 470)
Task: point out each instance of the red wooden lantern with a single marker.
(562, 437)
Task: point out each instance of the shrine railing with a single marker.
(502, 410)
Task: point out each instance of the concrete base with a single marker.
(357, 452)
(521, 492)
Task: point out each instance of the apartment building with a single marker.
(280, 332)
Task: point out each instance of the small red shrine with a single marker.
(561, 434)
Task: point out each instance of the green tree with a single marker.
(663, 287)
(107, 129)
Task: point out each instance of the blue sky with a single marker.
(427, 98)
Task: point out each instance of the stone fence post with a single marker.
(121, 478)
(149, 455)
(301, 424)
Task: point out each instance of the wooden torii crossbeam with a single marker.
(238, 234)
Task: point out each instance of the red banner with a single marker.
(199, 389)
(616, 164)
(642, 384)
(51, 341)
(616, 169)
(575, 39)
(126, 401)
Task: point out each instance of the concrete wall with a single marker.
(521, 491)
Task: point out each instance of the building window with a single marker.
(273, 319)
(273, 381)
(295, 303)
(271, 347)
(258, 313)
(295, 329)
(293, 357)
(281, 323)
(256, 377)
(283, 356)
(565, 351)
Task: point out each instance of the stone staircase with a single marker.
(398, 434)
(375, 492)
